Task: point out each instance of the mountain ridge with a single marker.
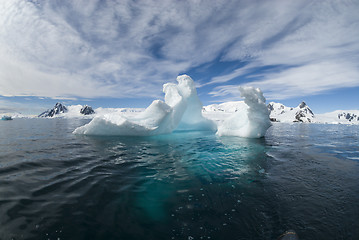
(60, 109)
(278, 112)
(281, 113)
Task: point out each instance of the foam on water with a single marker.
(184, 185)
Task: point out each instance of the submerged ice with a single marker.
(182, 110)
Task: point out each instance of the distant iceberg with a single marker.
(6, 118)
(182, 110)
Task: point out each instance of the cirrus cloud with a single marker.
(123, 49)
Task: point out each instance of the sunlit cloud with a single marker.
(122, 49)
(316, 48)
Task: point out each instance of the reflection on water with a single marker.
(186, 185)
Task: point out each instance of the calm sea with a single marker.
(186, 185)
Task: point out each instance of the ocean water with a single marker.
(186, 185)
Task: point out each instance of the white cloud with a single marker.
(87, 49)
(316, 45)
(236, 73)
(305, 80)
(60, 49)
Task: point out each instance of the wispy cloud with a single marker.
(93, 48)
(308, 79)
(65, 49)
(316, 45)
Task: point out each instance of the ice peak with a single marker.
(57, 109)
(281, 113)
(302, 105)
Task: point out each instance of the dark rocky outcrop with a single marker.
(87, 110)
(281, 113)
(304, 114)
(348, 116)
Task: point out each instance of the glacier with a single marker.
(181, 110)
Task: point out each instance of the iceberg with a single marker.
(181, 110)
(6, 118)
(251, 123)
(192, 118)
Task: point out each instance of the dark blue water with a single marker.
(187, 185)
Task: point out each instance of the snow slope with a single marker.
(339, 117)
(220, 112)
(228, 107)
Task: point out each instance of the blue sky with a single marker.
(120, 53)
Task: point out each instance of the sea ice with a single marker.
(252, 123)
(181, 109)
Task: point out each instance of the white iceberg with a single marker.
(251, 123)
(180, 110)
(192, 118)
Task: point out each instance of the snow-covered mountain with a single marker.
(87, 110)
(339, 117)
(80, 111)
(278, 112)
(351, 117)
(281, 113)
(60, 110)
(57, 109)
(216, 112)
(302, 113)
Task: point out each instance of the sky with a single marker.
(119, 53)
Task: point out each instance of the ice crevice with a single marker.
(182, 110)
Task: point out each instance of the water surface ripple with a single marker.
(186, 185)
